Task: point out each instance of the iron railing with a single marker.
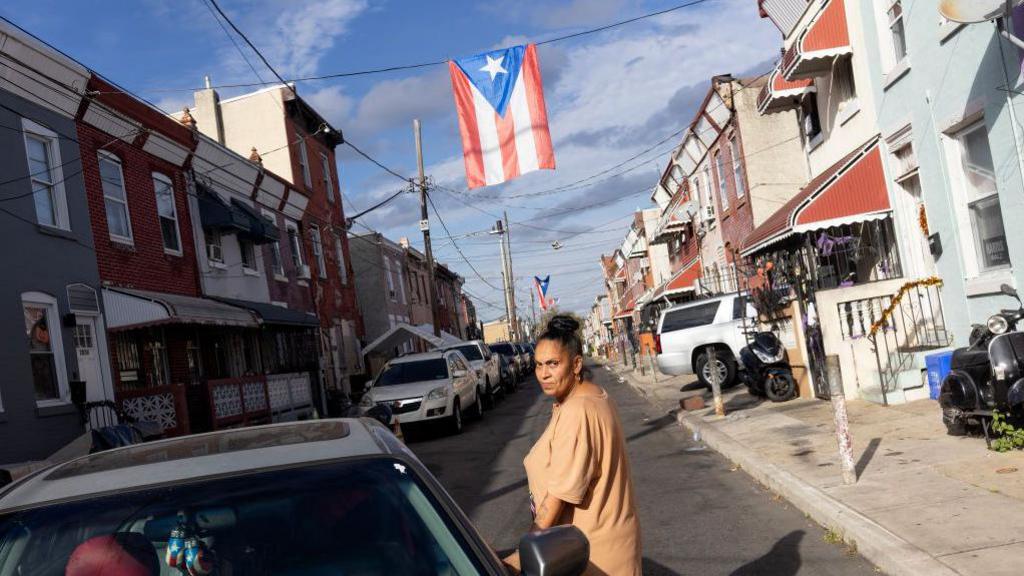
(898, 326)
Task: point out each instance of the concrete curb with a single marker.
(887, 550)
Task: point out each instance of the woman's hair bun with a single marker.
(563, 324)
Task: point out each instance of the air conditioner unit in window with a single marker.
(304, 272)
(214, 253)
(709, 213)
(645, 263)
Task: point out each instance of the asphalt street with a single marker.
(699, 515)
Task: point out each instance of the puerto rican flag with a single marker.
(542, 291)
(502, 118)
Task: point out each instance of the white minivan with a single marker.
(688, 331)
(428, 386)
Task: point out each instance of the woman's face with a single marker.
(557, 369)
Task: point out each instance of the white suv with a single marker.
(686, 332)
(486, 364)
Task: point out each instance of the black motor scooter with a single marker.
(766, 372)
(987, 375)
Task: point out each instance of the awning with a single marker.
(851, 190)
(683, 281)
(216, 214)
(128, 308)
(268, 313)
(446, 338)
(259, 229)
(780, 94)
(628, 313)
(821, 42)
(402, 333)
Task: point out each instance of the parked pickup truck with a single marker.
(686, 332)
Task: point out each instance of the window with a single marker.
(981, 198)
(709, 188)
(899, 41)
(737, 167)
(675, 179)
(295, 245)
(248, 250)
(214, 250)
(809, 119)
(723, 187)
(167, 213)
(325, 170)
(304, 163)
(42, 149)
(318, 250)
(842, 82)
(46, 354)
(401, 281)
(390, 280)
(342, 267)
(119, 222)
(276, 264)
(691, 317)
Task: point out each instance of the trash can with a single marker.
(938, 365)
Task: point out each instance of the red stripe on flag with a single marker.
(538, 112)
(468, 128)
(507, 139)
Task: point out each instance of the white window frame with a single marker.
(723, 184)
(318, 250)
(895, 58)
(157, 176)
(342, 265)
(325, 168)
(401, 281)
(53, 325)
(304, 163)
(966, 234)
(56, 182)
(295, 244)
(214, 238)
(392, 294)
(276, 262)
(110, 157)
(738, 176)
(242, 244)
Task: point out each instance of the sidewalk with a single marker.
(925, 502)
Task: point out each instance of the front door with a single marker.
(87, 353)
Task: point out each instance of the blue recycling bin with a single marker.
(938, 365)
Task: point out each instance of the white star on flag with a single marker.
(493, 67)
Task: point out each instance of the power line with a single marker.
(452, 240)
(426, 64)
(232, 39)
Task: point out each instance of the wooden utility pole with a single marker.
(844, 439)
(425, 227)
(511, 280)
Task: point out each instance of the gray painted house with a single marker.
(50, 315)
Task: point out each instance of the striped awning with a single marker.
(851, 190)
(823, 40)
(684, 280)
(128, 308)
(779, 94)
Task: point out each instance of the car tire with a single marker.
(455, 420)
(722, 357)
(489, 395)
(478, 406)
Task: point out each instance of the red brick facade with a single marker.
(738, 220)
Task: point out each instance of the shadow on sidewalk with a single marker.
(654, 568)
(782, 560)
(652, 426)
(866, 457)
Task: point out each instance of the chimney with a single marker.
(207, 110)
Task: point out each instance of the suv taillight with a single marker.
(657, 343)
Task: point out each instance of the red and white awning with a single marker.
(823, 40)
(851, 190)
(684, 280)
(781, 94)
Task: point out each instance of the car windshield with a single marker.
(372, 516)
(504, 349)
(415, 371)
(470, 352)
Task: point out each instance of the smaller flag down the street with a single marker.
(503, 121)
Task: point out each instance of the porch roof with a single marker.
(403, 332)
(851, 190)
(780, 94)
(682, 281)
(824, 39)
(129, 308)
(272, 314)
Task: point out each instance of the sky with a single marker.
(610, 96)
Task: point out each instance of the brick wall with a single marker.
(144, 264)
(738, 220)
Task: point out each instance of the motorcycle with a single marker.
(987, 375)
(766, 372)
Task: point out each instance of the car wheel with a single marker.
(489, 395)
(478, 408)
(780, 387)
(726, 369)
(955, 421)
(455, 420)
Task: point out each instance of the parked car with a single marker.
(688, 331)
(487, 366)
(428, 386)
(509, 352)
(527, 355)
(508, 378)
(300, 498)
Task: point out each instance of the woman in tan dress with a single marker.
(578, 470)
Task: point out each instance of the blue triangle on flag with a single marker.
(494, 74)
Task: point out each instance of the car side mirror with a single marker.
(557, 551)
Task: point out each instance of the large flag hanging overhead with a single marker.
(542, 291)
(502, 119)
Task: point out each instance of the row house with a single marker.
(839, 248)
(56, 334)
(281, 131)
(448, 288)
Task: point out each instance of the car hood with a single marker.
(403, 391)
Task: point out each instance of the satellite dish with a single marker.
(972, 11)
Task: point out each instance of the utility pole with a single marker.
(511, 278)
(425, 227)
(506, 278)
(533, 311)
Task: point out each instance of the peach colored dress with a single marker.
(581, 459)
